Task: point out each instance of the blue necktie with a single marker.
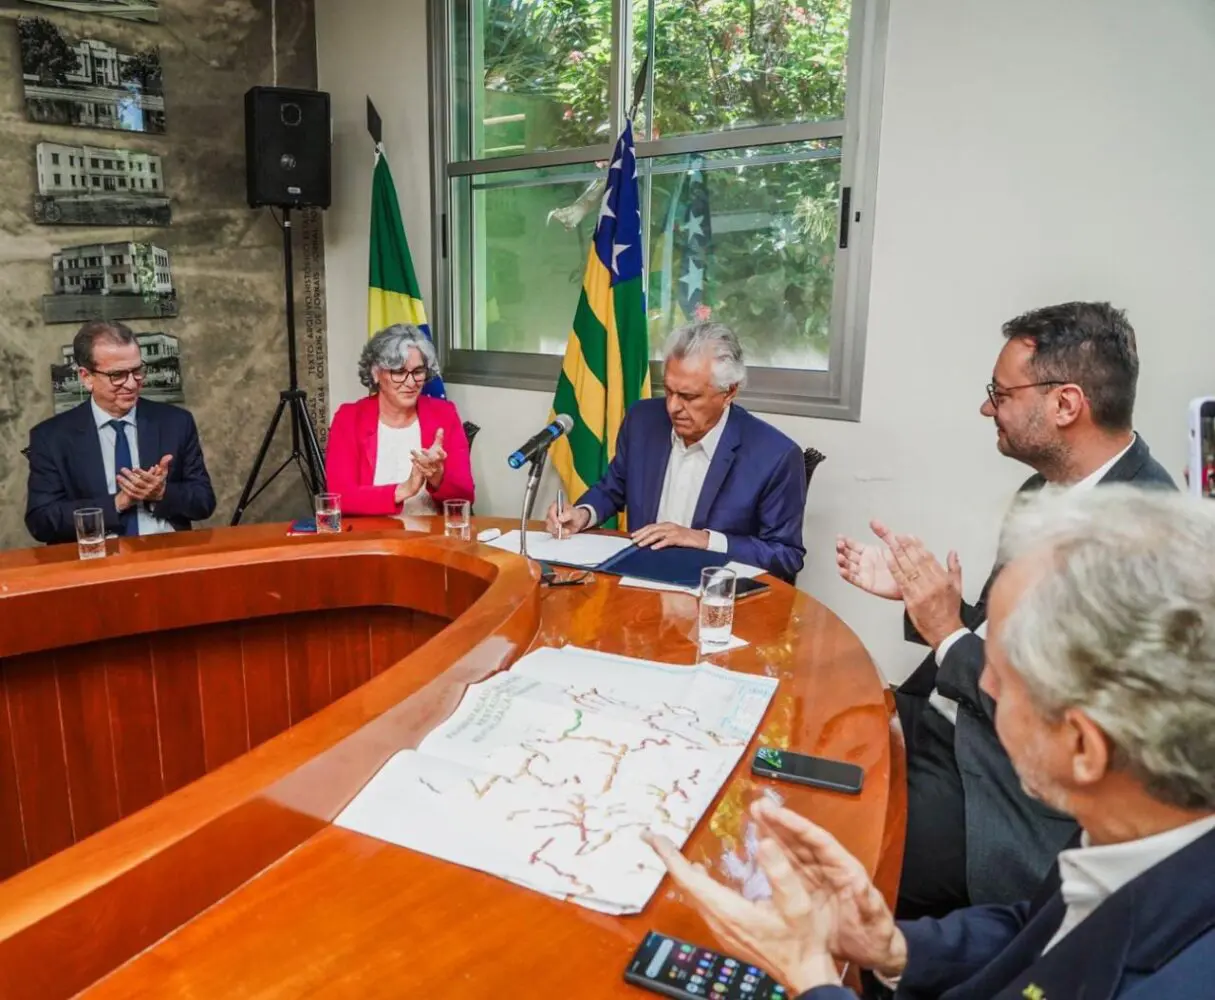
(129, 518)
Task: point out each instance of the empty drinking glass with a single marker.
(90, 533)
(716, 605)
(328, 513)
(457, 521)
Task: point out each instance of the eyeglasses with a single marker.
(118, 378)
(997, 393)
(401, 375)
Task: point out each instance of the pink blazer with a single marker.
(351, 456)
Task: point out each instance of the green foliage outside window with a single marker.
(718, 65)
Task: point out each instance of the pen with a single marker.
(560, 511)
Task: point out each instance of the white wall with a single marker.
(376, 49)
(1030, 153)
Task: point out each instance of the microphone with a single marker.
(538, 443)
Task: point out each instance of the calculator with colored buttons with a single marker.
(675, 968)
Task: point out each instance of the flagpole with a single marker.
(669, 277)
(375, 124)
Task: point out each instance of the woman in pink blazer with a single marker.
(397, 451)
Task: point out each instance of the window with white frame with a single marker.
(756, 124)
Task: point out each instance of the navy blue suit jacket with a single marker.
(754, 492)
(1153, 939)
(67, 471)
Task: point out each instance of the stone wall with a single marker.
(226, 258)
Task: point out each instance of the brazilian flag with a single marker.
(394, 296)
(607, 358)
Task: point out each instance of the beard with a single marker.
(1049, 795)
(1036, 782)
(1030, 444)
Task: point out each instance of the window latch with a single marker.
(845, 216)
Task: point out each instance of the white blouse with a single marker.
(394, 463)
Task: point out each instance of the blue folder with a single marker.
(680, 567)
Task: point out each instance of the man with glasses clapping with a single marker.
(398, 451)
(1061, 398)
(139, 461)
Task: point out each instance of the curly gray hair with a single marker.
(1124, 628)
(389, 348)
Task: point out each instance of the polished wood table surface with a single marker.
(236, 885)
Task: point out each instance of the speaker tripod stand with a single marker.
(305, 448)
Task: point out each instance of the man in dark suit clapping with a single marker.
(1062, 397)
(1100, 658)
(138, 460)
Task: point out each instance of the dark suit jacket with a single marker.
(67, 470)
(1153, 939)
(1011, 839)
(754, 492)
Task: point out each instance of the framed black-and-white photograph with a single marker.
(91, 186)
(122, 280)
(128, 10)
(162, 382)
(88, 82)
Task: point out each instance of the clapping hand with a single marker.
(142, 485)
(427, 469)
(431, 461)
(864, 565)
(932, 593)
(824, 907)
(861, 927)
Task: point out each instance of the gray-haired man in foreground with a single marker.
(1101, 658)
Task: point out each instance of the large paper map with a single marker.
(546, 774)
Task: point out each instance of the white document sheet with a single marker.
(579, 550)
(546, 774)
(670, 588)
(745, 571)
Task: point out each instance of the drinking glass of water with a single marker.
(90, 533)
(457, 520)
(716, 605)
(328, 513)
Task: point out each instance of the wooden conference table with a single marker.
(179, 725)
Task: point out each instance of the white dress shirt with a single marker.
(685, 479)
(394, 463)
(1090, 875)
(947, 706)
(149, 524)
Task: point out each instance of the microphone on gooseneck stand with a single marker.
(535, 450)
(537, 444)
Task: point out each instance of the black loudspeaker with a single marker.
(287, 137)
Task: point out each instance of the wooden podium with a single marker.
(180, 724)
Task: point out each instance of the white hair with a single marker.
(716, 340)
(388, 349)
(1123, 628)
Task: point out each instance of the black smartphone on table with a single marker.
(745, 587)
(817, 772)
(676, 968)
